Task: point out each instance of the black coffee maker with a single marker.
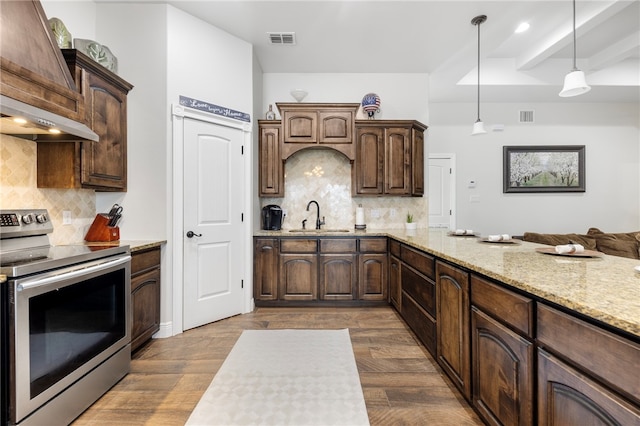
(272, 217)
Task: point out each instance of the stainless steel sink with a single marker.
(315, 231)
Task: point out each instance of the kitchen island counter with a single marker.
(605, 288)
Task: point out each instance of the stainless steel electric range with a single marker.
(65, 321)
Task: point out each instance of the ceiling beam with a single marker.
(563, 37)
(617, 52)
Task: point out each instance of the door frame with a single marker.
(452, 187)
(175, 216)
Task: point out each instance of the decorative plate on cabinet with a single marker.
(98, 52)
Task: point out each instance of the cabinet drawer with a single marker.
(338, 245)
(420, 288)
(373, 245)
(604, 354)
(420, 261)
(394, 248)
(420, 322)
(144, 260)
(298, 246)
(504, 305)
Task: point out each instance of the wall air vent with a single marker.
(282, 38)
(526, 117)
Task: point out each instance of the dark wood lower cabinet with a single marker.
(338, 276)
(265, 276)
(452, 320)
(145, 296)
(502, 372)
(298, 276)
(395, 290)
(568, 397)
(372, 283)
(322, 269)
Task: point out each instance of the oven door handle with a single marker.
(39, 282)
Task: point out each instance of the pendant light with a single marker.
(478, 126)
(574, 83)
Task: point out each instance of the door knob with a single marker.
(192, 234)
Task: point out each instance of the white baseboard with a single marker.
(166, 330)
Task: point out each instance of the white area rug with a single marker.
(285, 377)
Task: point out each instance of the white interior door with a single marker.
(213, 235)
(441, 191)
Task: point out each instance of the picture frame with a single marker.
(543, 168)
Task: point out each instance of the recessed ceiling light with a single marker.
(522, 27)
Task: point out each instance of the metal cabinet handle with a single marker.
(192, 234)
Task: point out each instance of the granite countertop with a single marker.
(134, 245)
(606, 288)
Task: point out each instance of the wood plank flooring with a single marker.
(402, 383)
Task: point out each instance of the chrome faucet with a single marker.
(318, 221)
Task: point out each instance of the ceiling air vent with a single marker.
(282, 38)
(526, 117)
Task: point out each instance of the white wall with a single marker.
(610, 132)
(402, 96)
(208, 64)
(78, 16)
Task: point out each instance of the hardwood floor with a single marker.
(401, 382)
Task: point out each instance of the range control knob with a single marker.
(41, 218)
(28, 218)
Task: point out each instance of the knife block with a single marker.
(99, 230)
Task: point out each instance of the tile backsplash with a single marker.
(324, 175)
(18, 190)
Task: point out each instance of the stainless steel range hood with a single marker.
(36, 121)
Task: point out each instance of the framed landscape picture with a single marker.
(553, 168)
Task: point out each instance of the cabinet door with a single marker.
(298, 276)
(338, 277)
(369, 164)
(270, 166)
(567, 397)
(145, 307)
(452, 320)
(336, 127)
(104, 163)
(373, 276)
(502, 372)
(417, 163)
(265, 285)
(300, 126)
(397, 178)
(395, 289)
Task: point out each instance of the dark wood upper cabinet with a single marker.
(309, 125)
(270, 166)
(98, 165)
(389, 158)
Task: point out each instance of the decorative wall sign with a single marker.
(214, 109)
(543, 168)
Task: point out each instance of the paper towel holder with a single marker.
(360, 225)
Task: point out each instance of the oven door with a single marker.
(66, 323)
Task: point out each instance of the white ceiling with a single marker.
(437, 37)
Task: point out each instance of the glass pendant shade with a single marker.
(574, 84)
(478, 128)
